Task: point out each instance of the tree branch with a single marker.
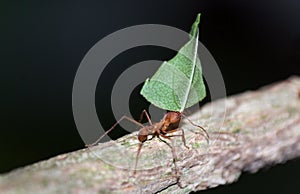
(261, 128)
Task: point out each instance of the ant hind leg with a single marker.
(144, 112)
(109, 130)
(206, 136)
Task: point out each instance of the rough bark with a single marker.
(261, 128)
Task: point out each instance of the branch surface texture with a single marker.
(260, 128)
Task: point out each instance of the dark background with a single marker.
(42, 44)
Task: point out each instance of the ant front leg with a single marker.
(206, 136)
(183, 138)
(122, 118)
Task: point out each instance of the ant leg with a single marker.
(144, 112)
(152, 137)
(123, 117)
(174, 159)
(205, 132)
(138, 153)
(182, 136)
(137, 156)
(173, 151)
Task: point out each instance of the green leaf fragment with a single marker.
(178, 83)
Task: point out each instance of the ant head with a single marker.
(173, 117)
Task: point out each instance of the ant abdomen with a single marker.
(142, 135)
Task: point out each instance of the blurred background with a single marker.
(42, 44)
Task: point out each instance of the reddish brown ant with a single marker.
(169, 124)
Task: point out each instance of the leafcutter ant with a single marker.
(162, 129)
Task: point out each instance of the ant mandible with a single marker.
(169, 124)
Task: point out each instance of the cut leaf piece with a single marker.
(178, 83)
